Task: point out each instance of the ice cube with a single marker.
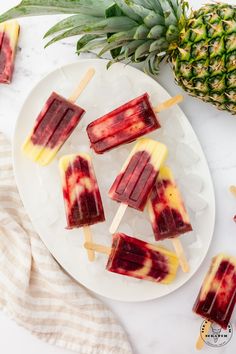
(170, 143)
(196, 244)
(121, 90)
(127, 229)
(155, 96)
(173, 128)
(109, 178)
(189, 238)
(185, 155)
(140, 225)
(84, 148)
(149, 238)
(195, 202)
(192, 182)
(43, 175)
(124, 152)
(98, 267)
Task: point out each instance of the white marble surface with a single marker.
(166, 325)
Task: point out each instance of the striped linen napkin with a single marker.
(37, 293)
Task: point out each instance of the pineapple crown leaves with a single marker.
(50, 7)
(134, 30)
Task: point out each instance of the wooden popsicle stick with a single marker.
(233, 190)
(180, 253)
(88, 238)
(82, 85)
(97, 248)
(118, 217)
(200, 342)
(167, 104)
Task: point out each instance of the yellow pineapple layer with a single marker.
(11, 29)
(172, 194)
(67, 160)
(156, 150)
(172, 260)
(42, 155)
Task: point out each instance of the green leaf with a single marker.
(139, 9)
(158, 45)
(156, 32)
(131, 47)
(113, 11)
(175, 4)
(71, 22)
(170, 18)
(154, 19)
(152, 64)
(127, 10)
(48, 7)
(142, 50)
(157, 7)
(172, 33)
(110, 47)
(90, 46)
(84, 40)
(113, 24)
(141, 32)
(122, 36)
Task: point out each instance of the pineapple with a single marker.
(200, 45)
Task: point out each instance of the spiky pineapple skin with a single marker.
(204, 61)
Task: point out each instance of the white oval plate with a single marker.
(40, 187)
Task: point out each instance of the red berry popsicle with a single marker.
(83, 203)
(166, 208)
(82, 198)
(217, 297)
(9, 33)
(126, 123)
(54, 125)
(137, 177)
(167, 212)
(135, 258)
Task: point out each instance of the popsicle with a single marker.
(83, 203)
(137, 177)
(167, 212)
(216, 299)
(135, 258)
(126, 123)
(9, 34)
(54, 125)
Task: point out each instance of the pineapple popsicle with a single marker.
(83, 203)
(166, 209)
(135, 258)
(139, 259)
(137, 177)
(9, 34)
(54, 124)
(216, 299)
(123, 125)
